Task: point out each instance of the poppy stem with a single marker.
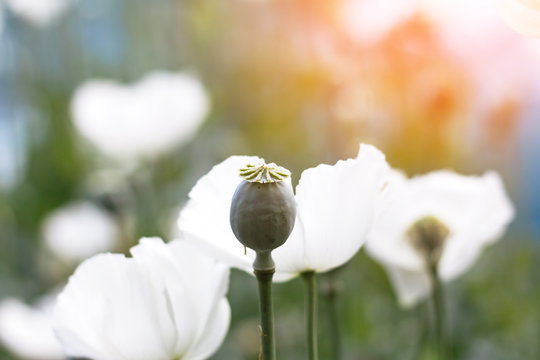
(423, 317)
(264, 277)
(330, 291)
(310, 282)
(439, 312)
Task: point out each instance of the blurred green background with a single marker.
(291, 81)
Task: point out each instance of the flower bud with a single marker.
(263, 208)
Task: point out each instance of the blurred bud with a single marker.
(263, 208)
(79, 230)
(428, 235)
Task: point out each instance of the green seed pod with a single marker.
(263, 208)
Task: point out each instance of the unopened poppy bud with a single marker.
(263, 208)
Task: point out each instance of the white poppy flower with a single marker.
(167, 302)
(38, 12)
(521, 15)
(143, 120)
(27, 330)
(475, 210)
(336, 206)
(79, 230)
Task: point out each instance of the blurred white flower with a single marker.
(143, 120)
(166, 302)
(521, 15)
(38, 12)
(79, 230)
(475, 210)
(336, 206)
(27, 331)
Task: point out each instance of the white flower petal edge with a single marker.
(521, 15)
(490, 215)
(141, 120)
(27, 331)
(475, 209)
(336, 207)
(411, 286)
(168, 301)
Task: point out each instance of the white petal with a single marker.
(145, 119)
(105, 312)
(214, 332)
(205, 282)
(204, 221)
(171, 300)
(521, 15)
(28, 332)
(387, 241)
(488, 214)
(290, 258)
(337, 205)
(411, 286)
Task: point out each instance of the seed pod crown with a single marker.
(264, 173)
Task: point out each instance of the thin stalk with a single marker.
(268, 345)
(422, 315)
(310, 282)
(439, 312)
(330, 292)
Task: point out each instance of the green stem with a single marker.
(311, 313)
(268, 346)
(439, 312)
(423, 317)
(330, 292)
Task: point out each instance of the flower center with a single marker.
(428, 236)
(264, 173)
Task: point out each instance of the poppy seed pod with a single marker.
(263, 208)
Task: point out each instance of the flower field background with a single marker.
(93, 155)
